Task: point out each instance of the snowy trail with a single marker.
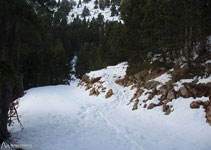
(73, 122)
(65, 117)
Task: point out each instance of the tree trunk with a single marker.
(8, 47)
(5, 99)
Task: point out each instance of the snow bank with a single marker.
(204, 80)
(164, 78)
(180, 83)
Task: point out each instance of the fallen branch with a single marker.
(14, 114)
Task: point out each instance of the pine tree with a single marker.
(85, 12)
(107, 3)
(86, 1)
(79, 3)
(132, 14)
(101, 4)
(9, 55)
(58, 3)
(96, 4)
(114, 12)
(116, 2)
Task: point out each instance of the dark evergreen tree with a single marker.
(114, 48)
(116, 2)
(96, 2)
(107, 3)
(85, 12)
(132, 14)
(114, 12)
(86, 1)
(101, 4)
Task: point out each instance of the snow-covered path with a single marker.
(66, 118)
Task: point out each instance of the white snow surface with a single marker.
(65, 117)
(93, 12)
(163, 78)
(208, 62)
(180, 83)
(204, 80)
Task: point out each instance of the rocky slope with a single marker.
(152, 88)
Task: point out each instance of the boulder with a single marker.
(208, 114)
(85, 78)
(137, 94)
(169, 85)
(200, 102)
(97, 92)
(150, 96)
(141, 75)
(103, 89)
(154, 91)
(129, 83)
(195, 105)
(135, 106)
(165, 106)
(151, 106)
(171, 95)
(145, 105)
(151, 84)
(163, 90)
(101, 82)
(89, 86)
(109, 93)
(79, 84)
(100, 86)
(94, 80)
(133, 87)
(168, 111)
(144, 101)
(184, 92)
(206, 103)
(92, 92)
(121, 82)
(131, 78)
(160, 103)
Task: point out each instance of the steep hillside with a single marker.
(171, 92)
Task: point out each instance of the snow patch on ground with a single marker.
(204, 80)
(180, 83)
(208, 62)
(164, 78)
(111, 72)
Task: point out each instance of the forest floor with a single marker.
(65, 117)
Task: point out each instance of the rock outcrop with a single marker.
(109, 93)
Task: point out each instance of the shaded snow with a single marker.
(73, 62)
(208, 62)
(73, 79)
